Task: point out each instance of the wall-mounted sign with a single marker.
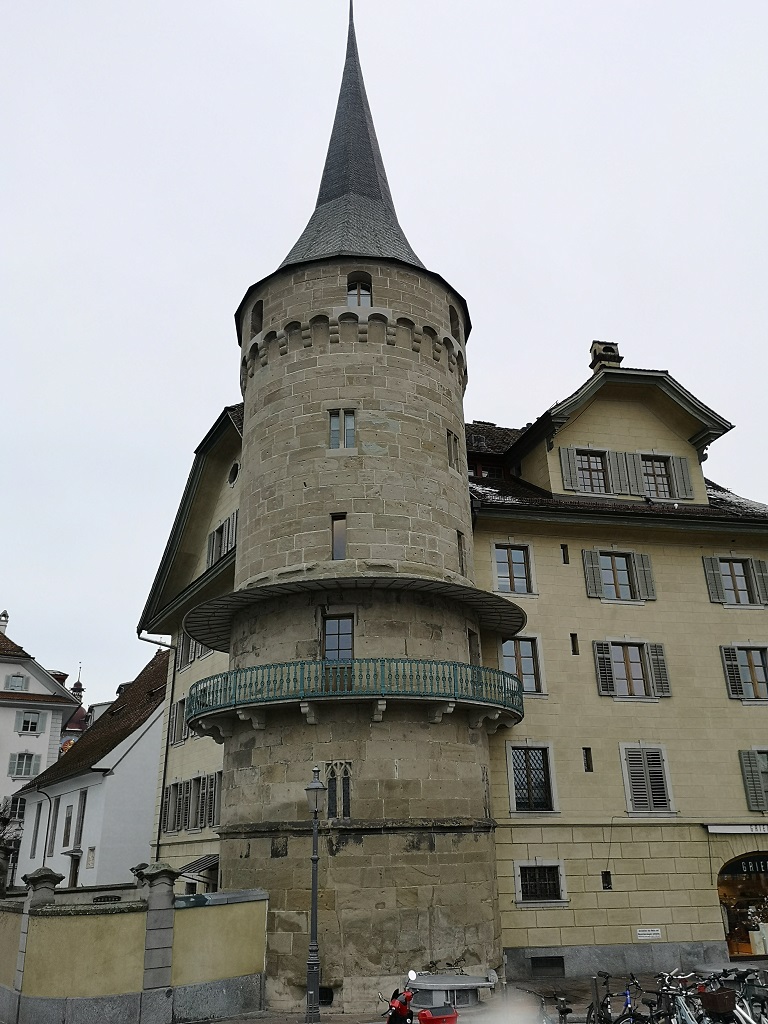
(754, 829)
(649, 933)
(105, 899)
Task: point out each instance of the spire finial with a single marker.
(354, 215)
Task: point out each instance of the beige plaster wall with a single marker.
(212, 943)
(10, 930)
(109, 956)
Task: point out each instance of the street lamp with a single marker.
(316, 799)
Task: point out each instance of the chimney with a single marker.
(58, 675)
(605, 356)
(3, 621)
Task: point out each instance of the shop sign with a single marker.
(738, 829)
(649, 933)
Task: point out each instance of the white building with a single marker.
(90, 815)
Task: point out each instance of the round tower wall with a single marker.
(399, 475)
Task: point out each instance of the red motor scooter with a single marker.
(399, 1010)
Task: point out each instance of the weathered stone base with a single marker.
(212, 1001)
(645, 958)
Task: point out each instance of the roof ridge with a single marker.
(354, 214)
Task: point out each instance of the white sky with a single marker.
(576, 170)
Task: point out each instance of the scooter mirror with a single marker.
(411, 975)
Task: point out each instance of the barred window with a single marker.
(540, 882)
(531, 783)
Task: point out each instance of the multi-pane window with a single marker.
(746, 672)
(531, 784)
(17, 682)
(590, 472)
(338, 638)
(454, 460)
(539, 882)
(341, 432)
(646, 779)
(24, 766)
(520, 657)
(30, 721)
(618, 576)
(359, 290)
(338, 779)
(631, 669)
(656, 479)
(18, 806)
(737, 581)
(178, 730)
(513, 569)
(222, 540)
(338, 536)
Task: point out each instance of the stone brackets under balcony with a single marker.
(211, 623)
(491, 697)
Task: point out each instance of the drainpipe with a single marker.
(170, 647)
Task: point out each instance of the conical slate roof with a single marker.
(354, 215)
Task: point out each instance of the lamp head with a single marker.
(316, 793)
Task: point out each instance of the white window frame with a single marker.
(536, 638)
(547, 745)
(668, 812)
(513, 542)
(540, 862)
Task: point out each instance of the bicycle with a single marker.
(604, 1014)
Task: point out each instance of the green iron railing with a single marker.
(361, 677)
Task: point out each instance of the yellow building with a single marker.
(535, 696)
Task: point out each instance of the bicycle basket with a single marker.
(722, 1000)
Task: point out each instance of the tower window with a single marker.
(461, 553)
(257, 318)
(359, 290)
(342, 428)
(338, 778)
(454, 318)
(338, 638)
(339, 536)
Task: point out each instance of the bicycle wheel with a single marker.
(634, 1016)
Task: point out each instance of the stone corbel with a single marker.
(379, 707)
(436, 711)
(218, 730)
(476, 722)
(311, 711)
(256, 716)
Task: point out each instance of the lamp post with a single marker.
(316, 799)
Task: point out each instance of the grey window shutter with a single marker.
(42, 718)
(732, 673)
(659, 674)
(657, 780)
(186, 797)
(618, 481)
(233, 536)
(639, 797)
(753, 780)
(211, 543)
(35, 765)
(592, 575)
(681, 477)
(7, 682)
(714, 580)
(646, 588)
(19, 721)
(166, 805)
(606, 685)
(172, 723)
(760, 571)
(12, 764)
(635, 473)
(568, 466)
(211, 800)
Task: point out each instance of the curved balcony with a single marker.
(441, 684)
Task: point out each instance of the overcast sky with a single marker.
(577, 170)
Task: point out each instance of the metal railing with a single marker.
(360, 677)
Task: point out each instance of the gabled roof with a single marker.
(8, 649)
(482, 436)
(231, 417)
(126, 714)
(354, 215)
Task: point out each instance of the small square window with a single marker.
(540, 883)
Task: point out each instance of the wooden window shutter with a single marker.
(172, 723)
(760, 572)
(19, 721)
(681, 477)
(646, 588)
(211, 808)
(35, 765)
(211, 549)
(185, 803)
(568, 466)
(592, 576)
(635, 473)
(657, 781)
(714, 580)
(42, 718)
(606, 685)
(753, 780)
(639, 797)
(732, 673)
(659, 674)
(12, 764)
(202, 801)
(618, 480)
(166, 806)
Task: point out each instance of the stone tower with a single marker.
(354, 628)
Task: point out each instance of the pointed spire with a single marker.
(354, 215)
